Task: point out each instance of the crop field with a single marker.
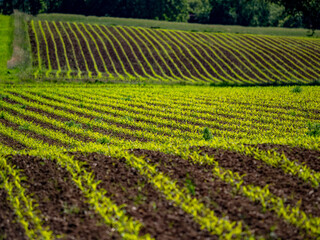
(120, 53)
(104, 161)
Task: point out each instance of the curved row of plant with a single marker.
(139, 54)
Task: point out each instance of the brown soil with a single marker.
(173, 61)
(156, 44)
(9, 227)
(219, 196)
(125, 185)
(260, 174)
(293, 56)
(61, 203)
(42, 46)
(5, 140)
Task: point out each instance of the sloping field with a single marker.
(75, 50)
(159, 162)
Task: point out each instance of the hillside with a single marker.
(77, 50)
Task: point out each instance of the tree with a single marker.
(310, 9)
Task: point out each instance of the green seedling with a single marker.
(128, 118)
(2, 96)
(73, 124)
(313, 129)
(25, 126)
(70, 209)
(207, 134)
(190, 186)
(103, 140)
(296, 89)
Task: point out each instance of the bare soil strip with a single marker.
(5, 140)
(60, 201)
(219, 196)
(260, 174)
(125, 185)
(9, 227)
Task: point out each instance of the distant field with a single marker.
(111, 21)
(77, 50)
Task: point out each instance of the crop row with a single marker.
(128, 53)
(55, 124)
(269, 202)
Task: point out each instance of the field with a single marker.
(101, 161)
(123, 132)
(135, 54)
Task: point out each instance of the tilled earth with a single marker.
(68, 215)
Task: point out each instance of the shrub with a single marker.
(103, 140)
(296, 89)
(313, 129)
(207, 134)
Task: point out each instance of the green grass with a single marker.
(6, 37)
(274, 31)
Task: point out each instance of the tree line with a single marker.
(282, 13)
